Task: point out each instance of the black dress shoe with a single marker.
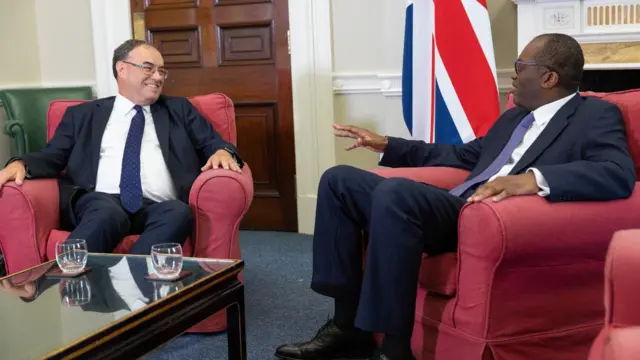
(380, 356)
(330, 343)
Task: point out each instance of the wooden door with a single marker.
(239, 48)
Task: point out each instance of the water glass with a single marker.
(167, 260)
(71, 255)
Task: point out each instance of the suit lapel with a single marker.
(555, 126)
(99, 123)
(161, 123)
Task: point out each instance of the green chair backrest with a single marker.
(26, 114)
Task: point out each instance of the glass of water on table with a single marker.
(167, 260)
(71, 255)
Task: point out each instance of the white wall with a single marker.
(19, 61)
(65, 42)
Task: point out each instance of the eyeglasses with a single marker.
(149, 69)
(520, 65)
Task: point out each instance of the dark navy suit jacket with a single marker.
(582, 152)
(186, 138)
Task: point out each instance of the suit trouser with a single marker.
(102, 222)
(403, 218)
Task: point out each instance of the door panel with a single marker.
(239, 48)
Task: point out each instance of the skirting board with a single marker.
(306, 213)
(390, 85)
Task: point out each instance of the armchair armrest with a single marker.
(442, 177)
(622, 289)
(523, 253)
(219, 199)
(29, 213)
(15, 130)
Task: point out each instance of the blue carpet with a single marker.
(280, 306)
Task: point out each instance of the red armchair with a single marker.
(620, 337)
(526, 282)
(219, 200)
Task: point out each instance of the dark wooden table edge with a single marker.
(163, 321)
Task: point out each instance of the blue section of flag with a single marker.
(407, 70)
(445, 129)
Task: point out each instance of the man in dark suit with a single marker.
(555, 144)
(129, 160)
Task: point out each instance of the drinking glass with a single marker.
(167, 259)
(71, 255)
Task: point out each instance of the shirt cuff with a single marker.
(541, 181)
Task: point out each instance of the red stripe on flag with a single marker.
(466, 65)
(483, 3)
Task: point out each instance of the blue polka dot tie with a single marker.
(130, 185)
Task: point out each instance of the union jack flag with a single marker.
(449, 82)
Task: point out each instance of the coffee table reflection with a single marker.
(114, 310)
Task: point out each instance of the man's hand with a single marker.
(27, 290)
(364, 138)
(505, 186)
(223, 159)
(13, 172)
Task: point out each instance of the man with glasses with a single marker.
(555, 144)
(129, 160)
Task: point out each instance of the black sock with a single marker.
(345, 313)
(397, 347)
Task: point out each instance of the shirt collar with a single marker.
(544, 113)
(124, 105)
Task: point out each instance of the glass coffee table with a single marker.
(113, 311)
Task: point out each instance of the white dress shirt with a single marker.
(542, 117)
(157, 184)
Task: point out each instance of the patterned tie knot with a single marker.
(137, 108)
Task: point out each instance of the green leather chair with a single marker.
(26, 114)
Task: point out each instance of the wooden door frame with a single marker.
(311, 72)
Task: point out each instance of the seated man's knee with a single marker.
(335, 176)
(393, 190)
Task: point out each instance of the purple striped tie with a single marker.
(501, 160)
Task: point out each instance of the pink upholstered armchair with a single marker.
(620, 337)
(527, 280)
(219, 199)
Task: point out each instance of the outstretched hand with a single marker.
(221, 159)
(364, 138)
